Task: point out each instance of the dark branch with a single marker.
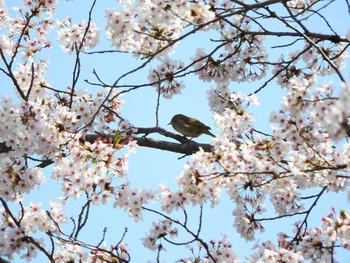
(185, 147)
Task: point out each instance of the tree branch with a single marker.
(185, 147)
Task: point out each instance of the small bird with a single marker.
(188, 126)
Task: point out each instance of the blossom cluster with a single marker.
(20, 35)
(218, 251)
(68, 250)
(268, 252)
(336, 112)
(15, 237)
(149, 27)
(94, 168)
(164, 78)
(3, 13)
(132, 200)
(316, 244)
(334, 231)
(26, 129)
(222, 97)
(42, 119)
(159, 230)
(236, 63)
(17, 179)
(31, 80)
(312, 61)
(80, 37)
(48, 6)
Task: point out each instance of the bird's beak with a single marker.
(169, 123)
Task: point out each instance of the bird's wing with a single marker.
(196, 123)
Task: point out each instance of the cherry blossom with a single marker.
(82, 36)
(3, 13)
(162, 229)
(150, 27)
(164, 77)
